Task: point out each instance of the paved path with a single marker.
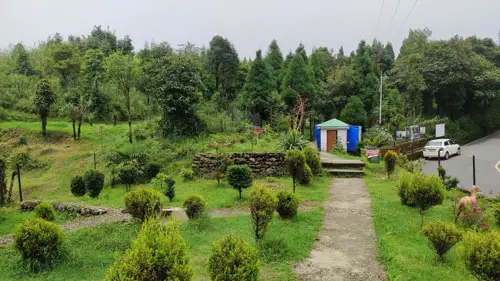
(346, 247)
(487, 152)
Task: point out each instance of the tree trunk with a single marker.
(44, 126)
(421, 218)
(19, 183)
(13, 177)
(311, 129)
(129, 130)
(114, 119)
(293, 178)
(74, 129)
(79, 127)
(240, 193)
(3, 185)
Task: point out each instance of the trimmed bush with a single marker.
(295, 161)
(158, 253)
(233, 258)
(306, 175)
(128, 175)
(195, 206)
(390, 162)
(39, 242)
(78, 186)
(170, 191)
(187, 174)
(472, 218)
(288, 204)
(239, 177)
(45, 211)
(143, 203)
(94, 182)
(151, 170)
(262, 205)
(442, 236)
(421, 191)
(313, 160)
(482, 255)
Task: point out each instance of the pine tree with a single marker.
(274, 58)
(259, 87)
(299, 78)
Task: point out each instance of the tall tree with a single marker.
(354, 112)
(367, 75)
(123, 71)
(125, 45)
(274, 58)
(148, 59)
(102, 39)
(177, 91)
(259, 87)
(223, 65)
(92, 75)
(299, 78)
(22, 61)
(302, 51)
(322, 62)
(44, 99)
(64, 61)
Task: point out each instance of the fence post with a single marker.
(474, 169)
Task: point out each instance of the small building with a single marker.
(332, 132)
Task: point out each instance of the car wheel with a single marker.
(446, 156)
(458, 151)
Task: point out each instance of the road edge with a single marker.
(497, 166)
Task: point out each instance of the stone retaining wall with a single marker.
(30, 205)
(262, 164)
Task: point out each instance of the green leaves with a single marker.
(354, 112)
(239, 177)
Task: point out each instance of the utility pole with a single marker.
(380, 90)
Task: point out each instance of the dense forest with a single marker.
(189, 89)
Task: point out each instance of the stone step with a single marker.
(352, 173)
(353, 165)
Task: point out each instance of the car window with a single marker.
(446, 143)
(452, 142)
(434, 143)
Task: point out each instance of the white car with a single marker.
(448, 147)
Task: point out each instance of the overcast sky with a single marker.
(249, 25)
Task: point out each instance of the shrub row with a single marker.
(91, 183)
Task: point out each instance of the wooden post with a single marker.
(19, 183)
(95, 164)
(474, 169)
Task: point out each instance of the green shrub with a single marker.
(195, 206)
(421, 191)
(150, 171)
(77, 186)
(482, 255)
(39, 242)
(313, 160)
(170, 191)
(158, 253)
(293, 141)
(94, 182)
(143, 203)
(306, 175)
(233, 258)
(23, 140)
(496, 213)
(187, 174)
(128, 175)
(262, 205)
(288, 204)
(441, 172)
(295, 161)
(239, 177)
(442, 236)
(390, 162)
(45, 211)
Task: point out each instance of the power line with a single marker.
(379, 17)
(395, 12)
(411, 11)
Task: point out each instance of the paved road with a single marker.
(487, 152)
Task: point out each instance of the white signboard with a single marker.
(422, 130)
(439, 130)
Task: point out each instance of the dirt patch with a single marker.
(346, 246)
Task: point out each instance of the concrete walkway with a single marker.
(346, 248)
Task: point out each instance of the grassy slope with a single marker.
(91, 251)
(9, 218)
(403, 248)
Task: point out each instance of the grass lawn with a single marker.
(10, 217)
(91, 251)
(403, 248)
